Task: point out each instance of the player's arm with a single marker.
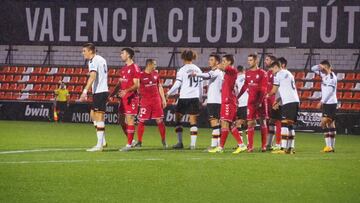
(316, 69)
(205, 76)
(263, 88)
(176, 85)
(116, 89)
(133, 88)
(273, 90)
(162, 95)
(89, 82)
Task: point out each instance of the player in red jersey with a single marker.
(228, 106)
(274, 124)
(152, 101)
(256, 84)
(129, 84)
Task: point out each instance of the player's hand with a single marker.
(276, 106)
(122, 93)
(83, 96)
(319, 105)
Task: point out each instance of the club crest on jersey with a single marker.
(257, 76)
(129, 71)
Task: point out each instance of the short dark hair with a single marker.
(229, 57)
(282, 60)
(188, 55)
(240, 68)
(130, 51)
(275, 63)
(253, 55)
(149, 61)
(326, 63)
(90, 46)
(272, 57)
(216, 56)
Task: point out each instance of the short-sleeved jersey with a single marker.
(128, 73)
(61, 95)
(215, 78)
(328, 86)
(98, 64)
(242, 101)
(256, 84)
(191, 87)
(270, 79)
(149, 87)
(287, 89)
(227, 90)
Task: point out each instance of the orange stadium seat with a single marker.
(306, 94)
(41, 78)
(304, 105)
(299, 84)
(37, 70)
(45, 87)
(317, 86)
(12, 86)
(340, 85)
(118, 72)
(112, 71)
(347, 95)
(49, 79)
(314, 105)
(41, 96)
(20, 87)
(49, 97)
(20, 69)
(356, 96)
(4, 69)
(9, 78)
(53, 87)
(57, 79)
(37, 87)
(345, 106)
(300, 75)
(13, 69)
(171, 73)
(2, 78)
(69, 71)
(45, 70)
(78, 89)
(82, 80)
(171, 101)
(33, 78)
(350, 76)
(78, 71)
(74, 80)
(357, 77)
(162, 73)
(71, 88)
(61, 70)
(17, 78)
(349, 86)
(356, 106)
(4, 86)
(339, 95)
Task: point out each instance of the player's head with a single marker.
(269, 59)
(252, 60)
(227, 60)
(150, 64)
(188, 55)
(325, 66)
(62, 85)
(214, 60)
(88, 51)
(240, 68)
(127, 54)
(283, 62)
(275, 66)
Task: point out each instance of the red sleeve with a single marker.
(136, 72)
(230, 70)
(263, 86)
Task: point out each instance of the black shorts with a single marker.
(99, 101)
(275, 114)
(61, 106)
(329, 111)
(213, 111)
(188, 106)
(241, 113)
(290, 111)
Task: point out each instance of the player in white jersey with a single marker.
(190, 93)
(242, 102)
(98, 82)
(328, 103)
(213, 104)
(284, 83)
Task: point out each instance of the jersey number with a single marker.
(194, 81)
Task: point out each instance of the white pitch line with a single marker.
(40, 150)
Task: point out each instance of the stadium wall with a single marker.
(71, 55)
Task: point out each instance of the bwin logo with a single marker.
(36, 111)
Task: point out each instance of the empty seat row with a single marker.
(317, 85)
(313, 76)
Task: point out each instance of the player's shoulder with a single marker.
(98, 58)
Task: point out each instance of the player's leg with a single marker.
(121, 117)
(324, 125)
(251, 123)
(143, 116)
(236, 132)
(291, 140)
(92, 116)
(264, 133)
(271, 133)
(130, 131)
(215, 125)
(179, 131)
(241, 127)
(98, 115)
(193, 130)
(162, 130)
(332, 132)
(224, 134)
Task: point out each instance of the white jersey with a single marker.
(287, 89)
(215, 78)
(328, 86)
(98, 64)
(243, 100)
(190, 87)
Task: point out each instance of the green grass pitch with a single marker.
(58, 169)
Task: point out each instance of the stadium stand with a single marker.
(38, 84)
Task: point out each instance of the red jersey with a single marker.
(270, 82)
(227, 90)
(149, 87)
(257, 83)
(128, 74)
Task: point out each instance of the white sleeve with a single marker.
(93, 66)
(316, 69)
(207, 75)
(201, 90)
(333, 81)
(177, 84)
(179, 75)
(277, 79)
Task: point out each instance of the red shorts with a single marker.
(270, 103)
(129, 105)
(151, 111)
(228, 112)
(254, 112)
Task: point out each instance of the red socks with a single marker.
(162, 130)
(278, 132)
(130, 133)
(236, 135)
(140, 131)
(251, 137)
(264, 132)
(224, 135)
